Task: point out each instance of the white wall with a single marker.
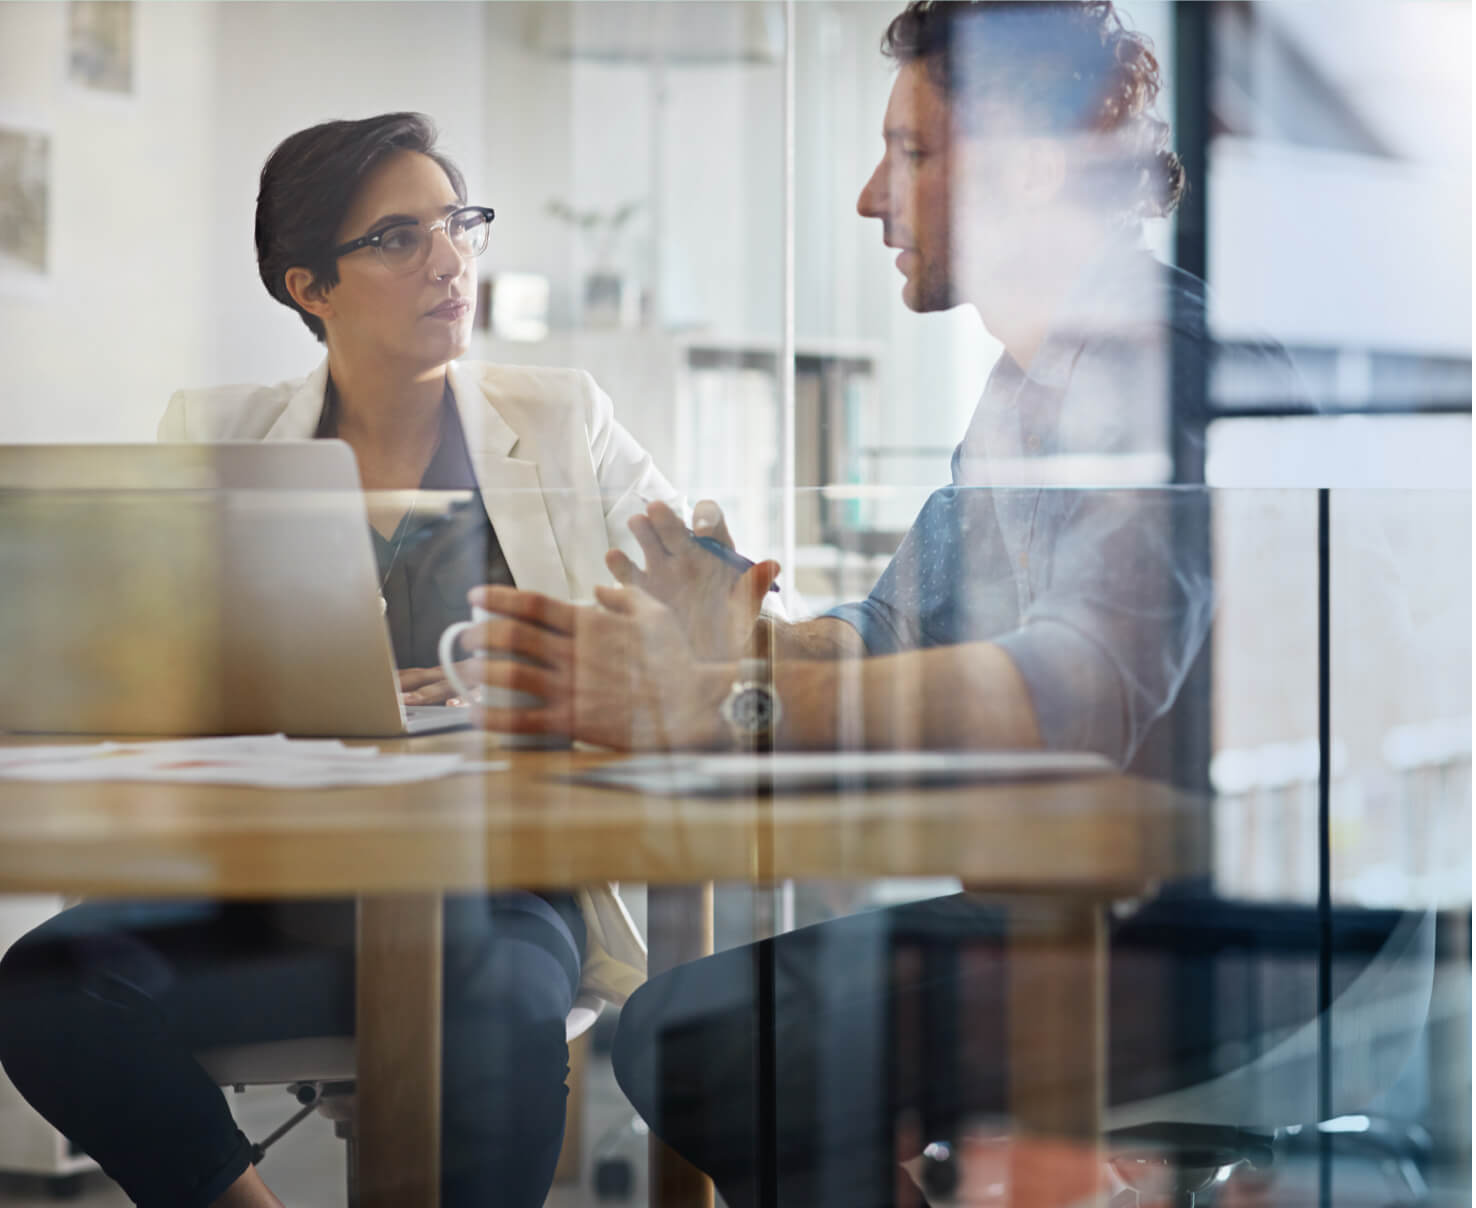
(723, 202)
(1323, 248)
(527, 115)
(124, 314)
(153, 282)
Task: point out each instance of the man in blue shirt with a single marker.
(1022, 155)
(1027, 606)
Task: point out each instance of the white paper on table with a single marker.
(271, 761)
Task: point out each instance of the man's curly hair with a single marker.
(1064, 68)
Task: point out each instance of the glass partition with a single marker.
(1147, 558)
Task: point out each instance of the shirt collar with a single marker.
(1117, 288)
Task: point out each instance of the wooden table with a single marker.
(1082, 842)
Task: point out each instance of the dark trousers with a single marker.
(899, 1015)
(103, 1007)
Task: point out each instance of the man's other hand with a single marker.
(715, 604)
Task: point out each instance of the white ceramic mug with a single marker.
(489, 695)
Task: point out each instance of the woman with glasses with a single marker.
(364, 230)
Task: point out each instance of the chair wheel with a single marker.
(940, 1177)
(614, 1179)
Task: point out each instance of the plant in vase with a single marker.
(611, 298)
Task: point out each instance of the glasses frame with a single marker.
(376, 239)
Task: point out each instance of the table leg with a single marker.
(1057, 1035)
(399, 1050)
(679, 925)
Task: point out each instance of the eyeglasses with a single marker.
(405, 246)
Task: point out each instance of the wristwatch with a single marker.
(752, 708)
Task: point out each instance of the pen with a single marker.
(731, 557)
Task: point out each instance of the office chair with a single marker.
(319, 1071)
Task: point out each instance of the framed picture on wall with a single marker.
(100, 45)
(25, 208)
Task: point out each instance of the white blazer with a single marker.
(560, 479)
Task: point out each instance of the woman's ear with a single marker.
(306, 291)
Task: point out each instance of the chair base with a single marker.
(1180, 1164)
(1183, 1163)
(333, 1100)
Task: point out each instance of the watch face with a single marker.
(753, 710)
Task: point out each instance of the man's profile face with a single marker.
(910, 190)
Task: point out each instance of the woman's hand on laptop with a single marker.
(715, 603)
(617, 674)
(429, 685)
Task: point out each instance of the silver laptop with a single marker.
(194, 589)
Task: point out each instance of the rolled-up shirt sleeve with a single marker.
(1118, 605)
(950, 580)
(1105, 648)
(1065, 670)
(879, 625)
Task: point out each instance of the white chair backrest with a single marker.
(328, 1058)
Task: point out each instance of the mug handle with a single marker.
(446, 651)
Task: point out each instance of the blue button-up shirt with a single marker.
(1052, 541)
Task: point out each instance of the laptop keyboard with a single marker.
(426, 719)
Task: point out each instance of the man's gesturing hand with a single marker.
(715, 604)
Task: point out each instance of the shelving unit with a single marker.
(707, 409)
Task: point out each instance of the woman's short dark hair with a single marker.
(310, 181)
(1065, 68)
